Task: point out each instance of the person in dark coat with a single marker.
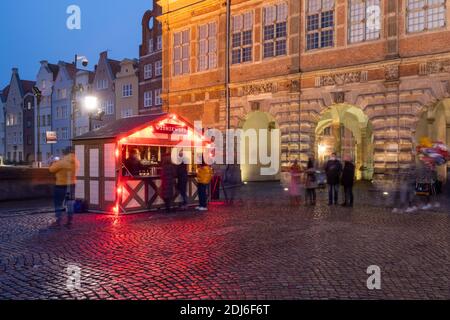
(182, 180)
(133, 164)
(348, 177)
(333, 170)
(168, 173)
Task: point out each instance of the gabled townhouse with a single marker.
(150, 62)
(19, 109)
(29, 147)
(127, 89)
(43, 119)
(104, 88)
(62, 120)
(3, 96)
(84, 82)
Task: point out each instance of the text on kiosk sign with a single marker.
(170, 128)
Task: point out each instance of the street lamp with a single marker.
(94, 112)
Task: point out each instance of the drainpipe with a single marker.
(227, 66)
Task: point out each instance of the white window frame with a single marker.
(423, 13)
(127, 90)
(278, 17)
(207, 46)
(242, 24)
(148, 99)
(158, 100)
(320, 8)
(159, 43)
(158, 68)
(181, 52)
(366, 20)
(148, 71)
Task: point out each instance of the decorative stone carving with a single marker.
(392, 72)
(294, 86)
(339, 79)
(338, 97)
(255, 89)
(436, 66)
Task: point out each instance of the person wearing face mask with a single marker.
(333, 170)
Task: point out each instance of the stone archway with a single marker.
(346, 130)
(434, 123)
(254, 122)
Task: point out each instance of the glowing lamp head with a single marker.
(322, 148)
(91, 103)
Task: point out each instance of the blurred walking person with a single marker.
(182, 180)
(294, 187)
(167, 181)
(333, 169)
(311, 183)
(204, 177)
(348, 178)
(64, 189)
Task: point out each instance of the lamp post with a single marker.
(94, 113)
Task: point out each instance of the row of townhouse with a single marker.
(123, 89)
(363, 78)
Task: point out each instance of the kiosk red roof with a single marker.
(121, 127)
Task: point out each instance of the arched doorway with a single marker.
(435, 124)
(346, 130)
(254, 122)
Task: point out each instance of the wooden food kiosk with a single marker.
(104, 182)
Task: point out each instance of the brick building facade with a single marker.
(150, 63)
(316, 69)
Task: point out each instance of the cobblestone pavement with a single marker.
(258, 249)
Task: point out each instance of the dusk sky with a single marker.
(32, 31)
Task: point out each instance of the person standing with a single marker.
(182, 180)
(294, 187)
(204, 176)
(333, 169)
(348, 177)
(64, 190)
(167, 181)
(310, 183)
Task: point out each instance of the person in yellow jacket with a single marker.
(204, 177)
(64, 170)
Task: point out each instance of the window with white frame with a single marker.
(423, 15)
(158, 100)
(102, 84)
(148, 99)
(181, 54)
(207, 42)
(109, 107)
(365, 20)
(127, 90)
(242, 38)
(158, 68)
(150, 45)
(126, 113)
(319, 24)
(275, 30)
(148, 70)
(159, 43)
